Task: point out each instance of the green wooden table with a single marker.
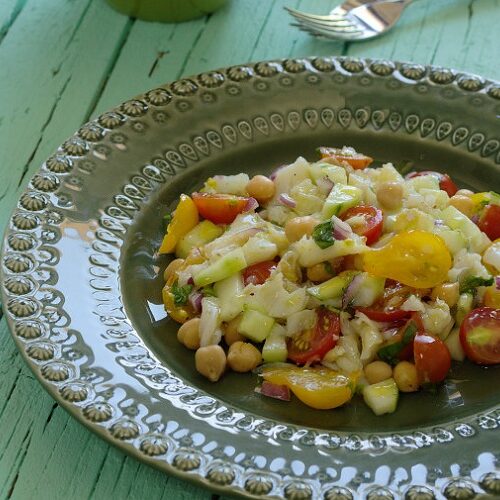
(64, 61)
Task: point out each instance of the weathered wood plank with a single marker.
(67, 55)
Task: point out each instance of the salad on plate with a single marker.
(333, 278)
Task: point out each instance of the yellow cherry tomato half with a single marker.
(180, 313)
(415, 258)
(491, 297)
(185, 217)
(319, 388)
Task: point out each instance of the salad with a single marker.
(333, 278)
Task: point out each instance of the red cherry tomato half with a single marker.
(384, 315)
(311, 345)
(445, 182)
(357, 161)
(480, 335)
(432, 358)
(257, 274)
(489, 222)
(220, 208)
(373, 220)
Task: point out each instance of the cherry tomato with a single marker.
(384, 315)
(445, 182)
(257, 274)
(415, 258)
(480, 335)
(319, 387)
(371, 227)
(220, 208)
(432, 358)
(311, 345)
(400, 346)
(185, 218)
(387, 309)
(356, 160)
(489, 222)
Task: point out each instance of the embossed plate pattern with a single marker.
(81, 297)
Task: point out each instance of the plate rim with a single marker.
(404, 72)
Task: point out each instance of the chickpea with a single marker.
(448, 292)
(261, 188)
(319, 272)
(210, 361)
(405, 376)
(243, 357)
(377, 371)
(189, 334)
(390, 195)
(299, 226)
(172, 268)
(231, 333)
(463, 203)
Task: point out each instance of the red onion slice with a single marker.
(325, 184)
(341, 230)
(497, 282)
(351, 290)
(281, 392)
(194, 300)
(252, 204)
(287, 200)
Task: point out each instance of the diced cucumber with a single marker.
(435, 197)
(310, 253)
(255, 325)
(275, 349)
(424, 182)
(334, 173)
(340, 199)
(333, 288)
(464, 307)
(455, 219)
(258, 249)
(231, 298)
(454, 240)
(226, 266)
(368, 291)
(382, 397)
(202, 233)
(454, 345)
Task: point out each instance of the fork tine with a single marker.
(303, 15)
(343, 28)
(346, 27)
(330, 34)
(324, 24)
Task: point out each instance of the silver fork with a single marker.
(353, 20)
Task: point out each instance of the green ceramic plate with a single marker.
(82, 293)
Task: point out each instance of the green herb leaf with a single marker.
(167, 219)
(323, 234)
(328, 268)
(390, 352)
(470, 284)
(181, 293)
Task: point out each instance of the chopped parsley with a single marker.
(390, 353)
(181, 293)
(470, 284)
(167, 219)
(323, 234)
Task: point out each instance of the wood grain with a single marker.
(64, 61)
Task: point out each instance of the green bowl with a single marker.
(166, 11)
